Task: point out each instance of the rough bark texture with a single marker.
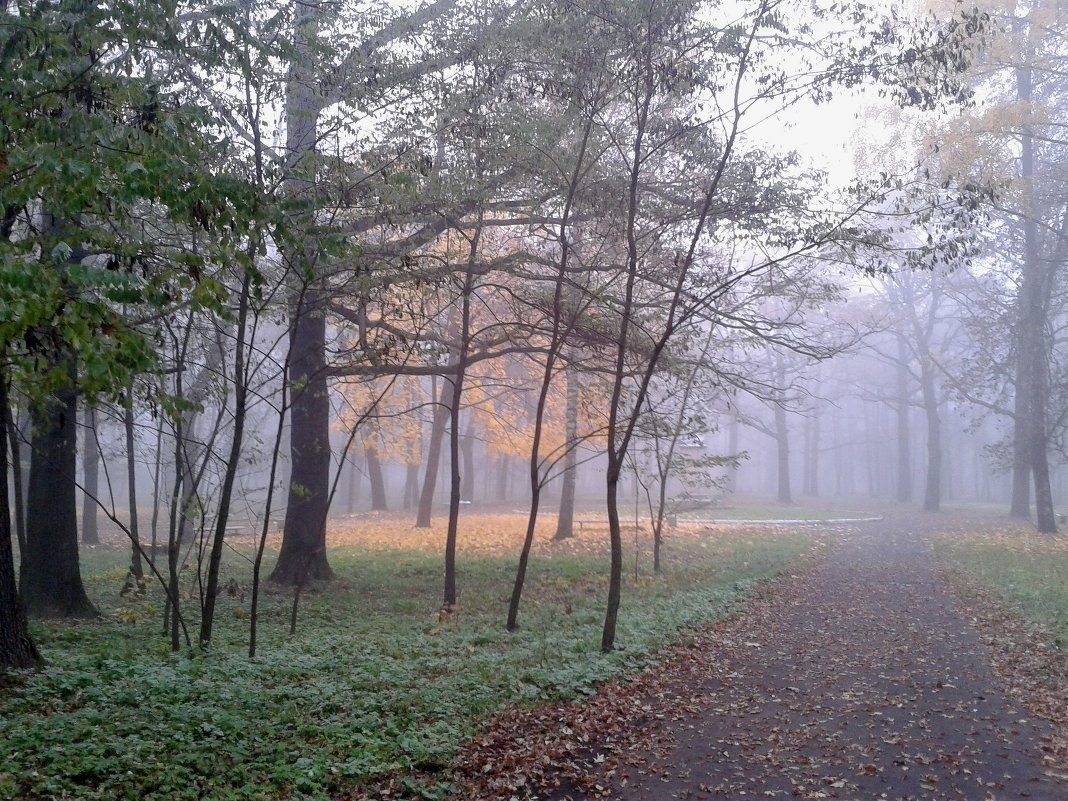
(50, 575)
(17, 649)
(303, 553)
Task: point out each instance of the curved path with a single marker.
(858, 680)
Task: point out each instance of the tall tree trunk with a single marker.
(467, 450)
(303, 553)
(1036, 283)
(451, 597)
(504, 470)
(135, 580)
(615, 568)
(18, 473)
(901, 409)
(782, 450)
(50, 575)
(240, 382)
(302, 556)
(411, 485)
(378, 484)
(90, 477)
(812, 452)
(565, 519)
(932, 495)
(433, 455)
(17, 649)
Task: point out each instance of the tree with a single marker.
(1014, 132)
(17, 649)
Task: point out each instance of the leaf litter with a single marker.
(858, 677)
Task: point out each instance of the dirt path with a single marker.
(858, 680)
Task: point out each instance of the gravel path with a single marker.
(858, 680)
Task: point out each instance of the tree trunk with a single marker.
(565, 519)
(901, 408)
(615, 569)
(50, 575)
(1036, 283)
(411, 485)
(17, 649)
(433, 456)
(782, 449)
(378, 484)
(303, 553)
(135, 580)
(467, 450)
(14, 439)
(932, 496)
(504, 468)
(240, 382)
(90, 478)
(812, 452)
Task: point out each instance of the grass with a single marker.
(1028, 571)
(372, 687)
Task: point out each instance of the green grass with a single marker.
(1029, 572)
(372, 685)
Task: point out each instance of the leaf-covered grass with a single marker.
(1028, 571)
(372, 686)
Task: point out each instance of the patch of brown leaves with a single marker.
(579, 749)
(501, 533)
(1031, 665)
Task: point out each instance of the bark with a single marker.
(467, 451)
(240, 381)
(14, 439)
(17, 649)
(565, 520)
(50, 574)
(90, 478)
(378, 484)
(303, 553)
(615, 575)
(451, 598)
(135, 580)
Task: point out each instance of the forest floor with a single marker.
(879, 671)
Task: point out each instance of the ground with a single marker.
(861, 676)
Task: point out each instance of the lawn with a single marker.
(373, 687)
(1028, 571)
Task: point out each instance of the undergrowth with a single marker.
(372, 686)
